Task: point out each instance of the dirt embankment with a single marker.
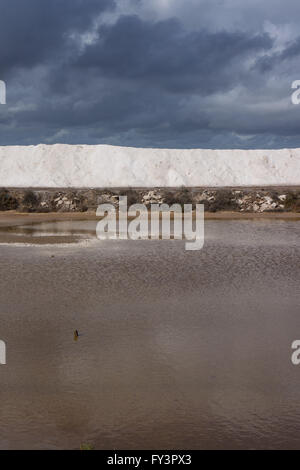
(238, 200)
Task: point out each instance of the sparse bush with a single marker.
(7, 201)
(223, 201)
(133, 196)
(183, 196)
(292, 202)
(30, 201)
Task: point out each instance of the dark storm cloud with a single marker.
(164, 54)
(33, 31)
(91, 71)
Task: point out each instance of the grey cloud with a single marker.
(35, 31)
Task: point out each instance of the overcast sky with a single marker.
(150, 73)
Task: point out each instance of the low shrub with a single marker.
(30, 201)
(133, 196)
(7, 201)
(292, 202)
(224, 201)
(183, 196)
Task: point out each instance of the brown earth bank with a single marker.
(15, 218)
(235, 200)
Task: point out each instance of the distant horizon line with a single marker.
(153, 148)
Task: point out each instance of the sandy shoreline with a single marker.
(14, 218)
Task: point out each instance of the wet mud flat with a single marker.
(177, 349)
(62, 227)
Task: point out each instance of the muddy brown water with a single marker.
(177, 349)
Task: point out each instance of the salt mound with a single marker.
(108, 166)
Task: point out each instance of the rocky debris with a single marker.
(206, 195)
(108, 198)
(241, 200)
(152, 197)
(70, 202)
(259, 202)
(80, 200)
(217, 200)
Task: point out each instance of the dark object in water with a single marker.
(76, 335)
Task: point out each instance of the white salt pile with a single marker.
(108, 166)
